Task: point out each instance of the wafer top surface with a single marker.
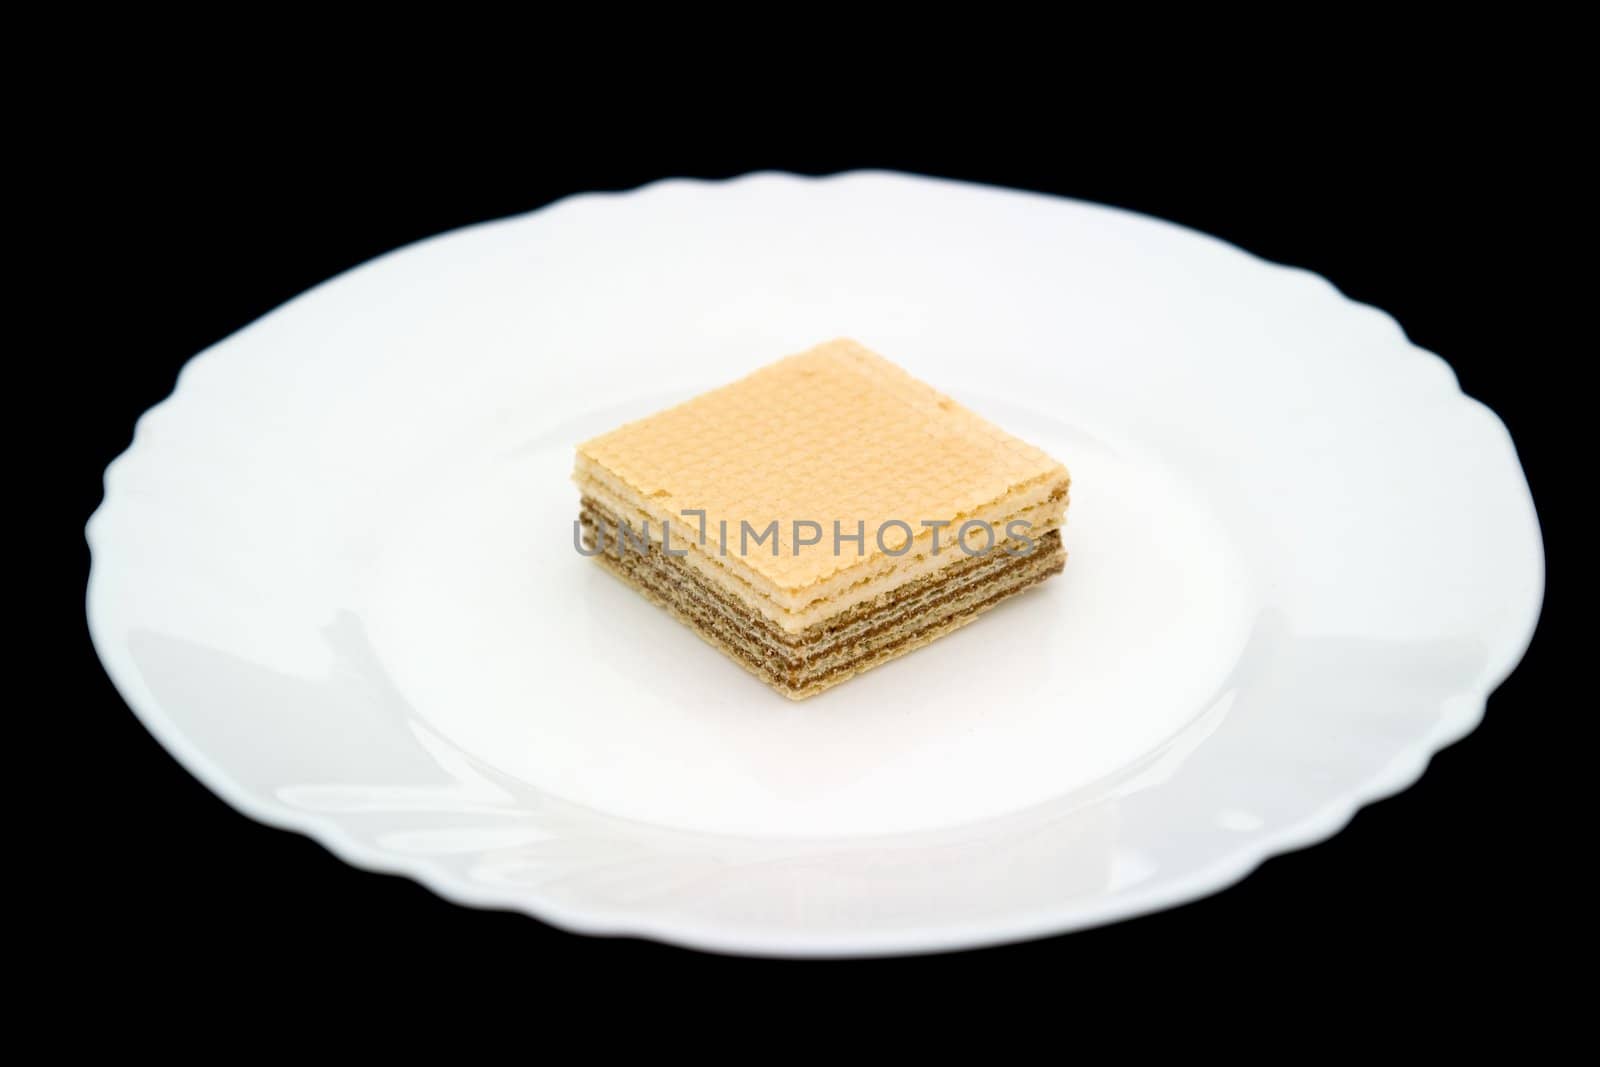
(833, 433)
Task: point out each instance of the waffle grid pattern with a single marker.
(835, 433)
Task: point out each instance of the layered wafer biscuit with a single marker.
(821, 516)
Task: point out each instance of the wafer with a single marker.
(821, 516)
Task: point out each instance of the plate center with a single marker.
(535, 660)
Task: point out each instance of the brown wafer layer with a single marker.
(826, 654)
(860, 621)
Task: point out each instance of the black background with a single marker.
(1424, 207)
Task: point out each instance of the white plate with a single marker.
(334, 574)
